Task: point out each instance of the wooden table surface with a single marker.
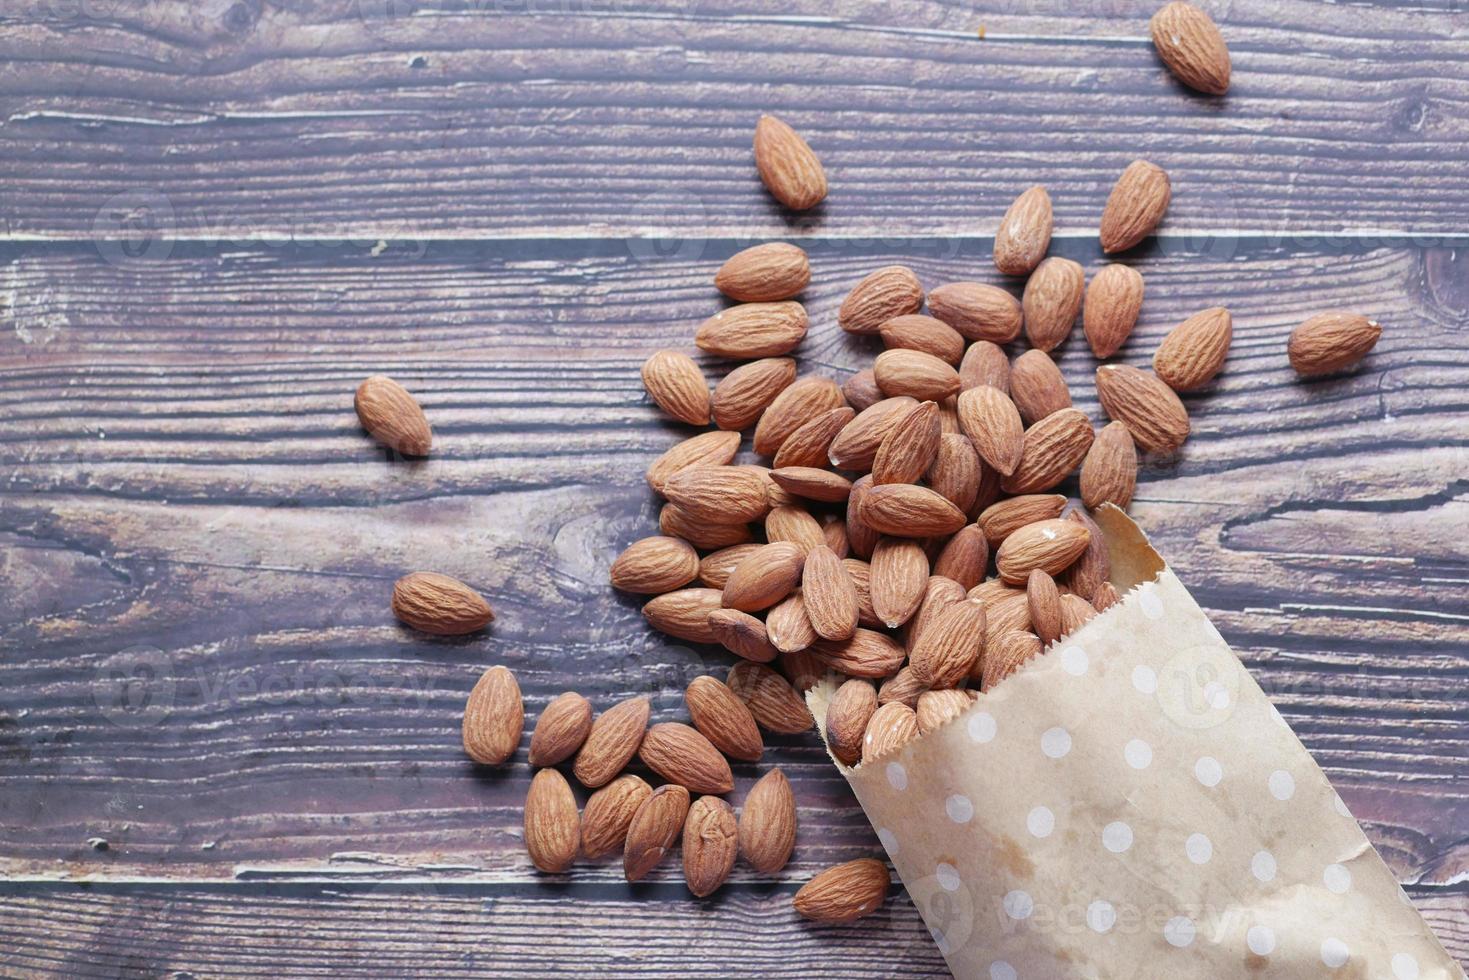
(220, 756)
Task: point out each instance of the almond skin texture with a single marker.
(767, 828)
(828, 593)
(899, 579)
(1005, 655)
(1113, 300)
(788, 626)
(955, 471)
(795, 406)
(844, 893)
(892, 726)
(939, 596)
(681, 755)
(613, 741)
(770, 698)
(985, 363)
(861, 390)
(1105, 597)
(705, 449)
(916, 374)
(676, 523)
(792, 523)
(860, 537)
(1024, 233)
(560, 730)
(1044, 600)
(1076, 612)
(392, 416)
(938, 708)
(901, 688)
(655, 826)
(765, 273)
(1051, 302)
(743, 635)
(655, 565)
(766, 577)
(552, 826)
(891, 291)
(977, 310)
(915, 331)
(718, 494)
(1053, 448)
(1149, 408)
(1094, 566)
(494, 717)
(748, 390)
(1000, 519)
(811, 483)
(861, 575)
(787, 166)
(1037, 387)
(677, 386)
(909, 447)
(684, 613)
(1005, 615)
(1109, 473)
(1136, 205)
(992, 422)
(1331, 342)
(608, 813)
(802, 669)
(1191, 46)
(723, 719)
(716, 568)
(948, 648)
(964, 557)
(1194, 351)
(809, 444)
(867, 653)
(753, 330)
(909, 511)
(710, 845)
(846, 719)
(856, 446)
(1048, 545)
(438, 604)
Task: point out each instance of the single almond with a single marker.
(1044, 600)
(437, 604)
(609, 812)
(956, 471)
(808, 445)
(742, 634)
(1053, 448)
(860, 536)
(1114, 298)
(909, 447)
(910, 511)
(846, 719)
(892, 726)
(682, 755)
(861, 390)
(867, 653)
(1051, 302)
(901, 688)
(793, 523)
(1190, 44)
(764, 273)
(914, 331)
(938, 708)
(1037, 387)
(770, 698)
(1135, 206)
(810, 483)
(767, 827)
(844, 893)
(860, 572)
(985, 363)
(392, 416)
(678, 523)
(1006, 653)
(710, 845)
(916, 374)
(657, 823)
(802, 401)
(1109, 473)
(1105, 597)
(552, 826)
(829, 595)
(1024, 233)
(977, 310)
(715, 568)
(1331, 342)
(724, 719)
(655, 565)
(752, 330)
(899, 578)
(718, 494)
(748, 390)
(561, 729)
(677, 386)
(614, 739)
(939, 594)
(1194, 351)
(1001, 519)
(764, 578)
(855, 446)
(788, 167)
(494, 717)
(964, 557)
(1076, 612)
(1094, 567)
(704, 449)
(888, 292)
(1048, 545)
(1148, 407)
(788, 626)
(684, 613)
(948, 648)
(992, 422)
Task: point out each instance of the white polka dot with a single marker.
(1179, 931)
(1282, 785)
(940, 940)
(1261, 940)
(1144, 679)
(897, 776)
(1262, 866)
(1216, 695)
(1404, 967)
(888, 840)
(948, 877)
(981, 727)
(1341, 806)
(1208, 771)
(1148, 599)
(1018, 904)
(1117, 837)
(1337, 879)
(1040, 822)
(1139, 754)
(959, 808)
(1334, 953)
(1074, 661)
(1000, 970)
(1055, 742)
(1101, 916)
(1198, 848)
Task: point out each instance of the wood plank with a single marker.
(315, 120)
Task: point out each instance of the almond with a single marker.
(1191, 46)
(655, 826)
(844, 893)
(710, 845)
(723, 719)
(846, 719)
(1005, 655)
(560, 730)
(677, 386)
(916, 374)
(992, 422)
(793, 524)
(861, 390)
(748, 390)
(861, 537)
(899, 578)
(795, 406)
(1194, 351)
(948, 648)
(892, 726)
(828, 593)
(753, 330)
(901, 688)
(742, 634)
(392, 416)
(1048, 545)
(914, 331)
(992, 590)
(675, 522)
(1094, 566)
(1001, 519)
(705, 449)
(609, 812)
(764, 274)
(767, 828)
(614, 739)
(770, 698)
(788, 626)
(1113, 300)
(1044, 600)
(955, 471)
(1109, 473)
(834, 531)
(1024, 233)
(1037, 387)
(1051, 302)
(1149, 408)
(1135, 206)
(655, 565)
(1076, 612)
(787, 166)
(977, 310)
(681, 755)
(1105, 597)
(985, 363)
(1331, 342)
(552, 827)
(909, 447)
(938, 708)
(939, 594)
(1053, 448)
(861, 575)
(811, 483)
(965, 557)
(867, 653)
(715, 568)
(856, 446)
(1004, 615)
(718, 494)
(684, 613)
(438, 604)
(494, 717)
(764, 578)
(910, 511)
(889, 292)
(809, 444)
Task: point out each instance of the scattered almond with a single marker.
(1045, 606)
(715, 568)
(909, 447)
(867, 653)
(764, 578)
(844, 893)
(1113, 300)
(684, 613)
(1001, 519)
(830, 597)
(992, 422)
(552, 826)
(655, 826)
(1109, 473)
(764, 273)
(1037, 387)
(437, 604)
(964, 558)
(682, 755)
(1094, 566)
(1331, 342)
(1024, 233)
(609, 812)
(947, 649)
(956, 471)
(856, 446)
(788, 626)
(1135, 206)
(1194, 351)
(614, 739)
(718, 494)
(655, 565)
(748, 390)
(908, 510)
(677, 385)
(889, 292)
(805, 399)
(939, 595)
(560, 730)
(494, 717)
(723, 719)
(742, 634)
(1151, 411)
(915, 331)
(770, 698)
(1049, 545)
(846, 719)
(977, 310)
(753, 330)
(677, 523)
(767, 827)
(787, 166)
(861, 390)
(916, 374)
(1051, 302)
(1191, 46)
(985, 363)
(811, 483)
(809, 444)
(710, 845)
(392, 416)
(1051, 450)
(704, 449)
